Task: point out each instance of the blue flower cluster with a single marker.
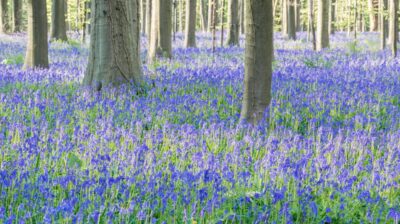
(329, 151)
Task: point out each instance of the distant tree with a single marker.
(383, 22)
(190, 29)
(241, 15)
(143, 5)
(17, 15)
(148, 17)
(323, 25)
(114, 48)
(284, 18)
(373, 15)
(212, 12)
(204, 14)
(258, 60)
(4, 23)
(291, 19)
(58, 25)
(393, 27)
(233, 21)
(37, 49)
(332, 27)
(161, 30)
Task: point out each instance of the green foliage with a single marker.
(353, 47)
(14, 60)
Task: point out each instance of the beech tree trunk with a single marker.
(258, 60)
(323, 25)
(204, 14)
(114, 48)
(37, 48)
(332, 22)
(284, 17)
(233, 21)
(58, 25)
(143, 24)
(384, 24)
(4, 23)
(212, 3)
(291, 19)
(148, 18)
(190, 29)
(393, 27)
(17, 14)
(373, 17)
(241, 12)
(165, 28)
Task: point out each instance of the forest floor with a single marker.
(330, 152)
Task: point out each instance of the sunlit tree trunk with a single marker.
(233, 33)
(58, 27)
(393, 27)
(114, 48)
(383, 22)
(241, 12)
(161, 30)
(332, 27)
(284, 16)
(190, 29)
(143, 23)
(17, 15)
(148, 18)
(373, 17)
(4, 23)
(323, 25)
(203, 14)
(258, 60)
(37, 49)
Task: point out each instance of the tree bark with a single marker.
(165, 28)
(204, 14)
(258, 60)
(393, 27)
(291, 19)
(241, 11)
(181, 16)
(210, 22)
(17, 14)
(154, 33)
(298, 13)
(383, 20)
(222, 21)
(284, 17)
(4, 23)
(148, 18)
(323, 25)
(332, 22)
(373, 17)
(143, 6)
(37, 49)
(58, 25)
(190, 29)
(114, 48)
(233, 33)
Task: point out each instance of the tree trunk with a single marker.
(291, 19)
(165, 28)
(190, 29)
(17, 15)
(86, 22)
(204, 14)
(154, 33)
(384, 26)
(323, 25)
(311, 24)
(373, 17)
(258, 60)
(114, 48)
(58, 25)
(298, 12)
(181, 17)
(222, 22)
(143, 15)
(241, 12)
(37, 48)
(148, 18)
(233, 33)
(4, 23)
(210, 22)
(284, 17)
(213, 22)
(332, 22)
(393, 27)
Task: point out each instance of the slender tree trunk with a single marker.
(298, 12)
(148, 18)
(312, 26)
(181, 16)
(393, 28)
(332, 27)
(203, 14)
(284, 17)
(323, 25)
(222, 22)
(154, 34)
(213, 23)
(355, 18)
(291, 19)
(114, 48)
(383, 9)
(258, 60)
(143, 6)
(4, 23)
(58, 27)
(190, 30)
(17, 15)
(233, 33)
(37, 49)
(210, 22)
(241, 12)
